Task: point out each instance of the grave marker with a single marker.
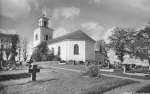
(33, 69)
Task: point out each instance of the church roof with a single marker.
(77, 35)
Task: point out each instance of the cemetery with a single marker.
(86, 59)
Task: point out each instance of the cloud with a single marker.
(143, 5)
(96, 1)
(17, 8)
(108, 33)
(66, 12)
(93, 29)
(60, 31)
(8, 31)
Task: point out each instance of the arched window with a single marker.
(36, 37)
(59, 50)
(53, 50)
(76, 49)
(46, 37)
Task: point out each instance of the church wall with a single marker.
(67, 50)
(46, 31)
(89, 51)
(36, 42)
(70, 50)
(63, 51)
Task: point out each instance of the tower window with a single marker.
(36, 37)
(45, 23)
(76, 49)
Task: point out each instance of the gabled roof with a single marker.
(77, 35)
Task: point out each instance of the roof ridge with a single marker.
(76, 35)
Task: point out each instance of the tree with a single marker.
(25, 55)
(141, 44)
(14, 40)
(118, 42)
(40, 53)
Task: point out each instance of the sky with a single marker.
(95, 17)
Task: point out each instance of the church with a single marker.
(76, 45)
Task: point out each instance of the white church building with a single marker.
(76, 45)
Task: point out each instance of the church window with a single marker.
(46, 37)
(45, 23)
(59, 51)
(36, 37)
(76, 49)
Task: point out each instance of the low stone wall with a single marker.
(5, 77)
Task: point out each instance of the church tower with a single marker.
(43, 32)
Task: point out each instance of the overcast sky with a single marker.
(95, 17)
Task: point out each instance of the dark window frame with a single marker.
(76, 49)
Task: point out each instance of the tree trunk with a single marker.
(149, 63)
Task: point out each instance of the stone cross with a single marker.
(33, 69)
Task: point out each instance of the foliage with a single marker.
(140, 44)
(41, 53)
(14, 40)
(56, 58)
(14, 76)
(119, 42)
(36, 55)
(50, 57)
(93, 70)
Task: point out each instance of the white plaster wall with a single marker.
(89, 50)
(41, 32)
(46, 31)
(36, 42)
(63, 46)
(67, 50)
(70, 50)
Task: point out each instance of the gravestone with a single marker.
(33, 69)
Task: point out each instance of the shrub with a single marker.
(56, 58)
(93, 71)
(50, 57)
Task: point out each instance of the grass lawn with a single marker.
(107, 86)
(145, 89)
(55, 81)
(82, 68)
